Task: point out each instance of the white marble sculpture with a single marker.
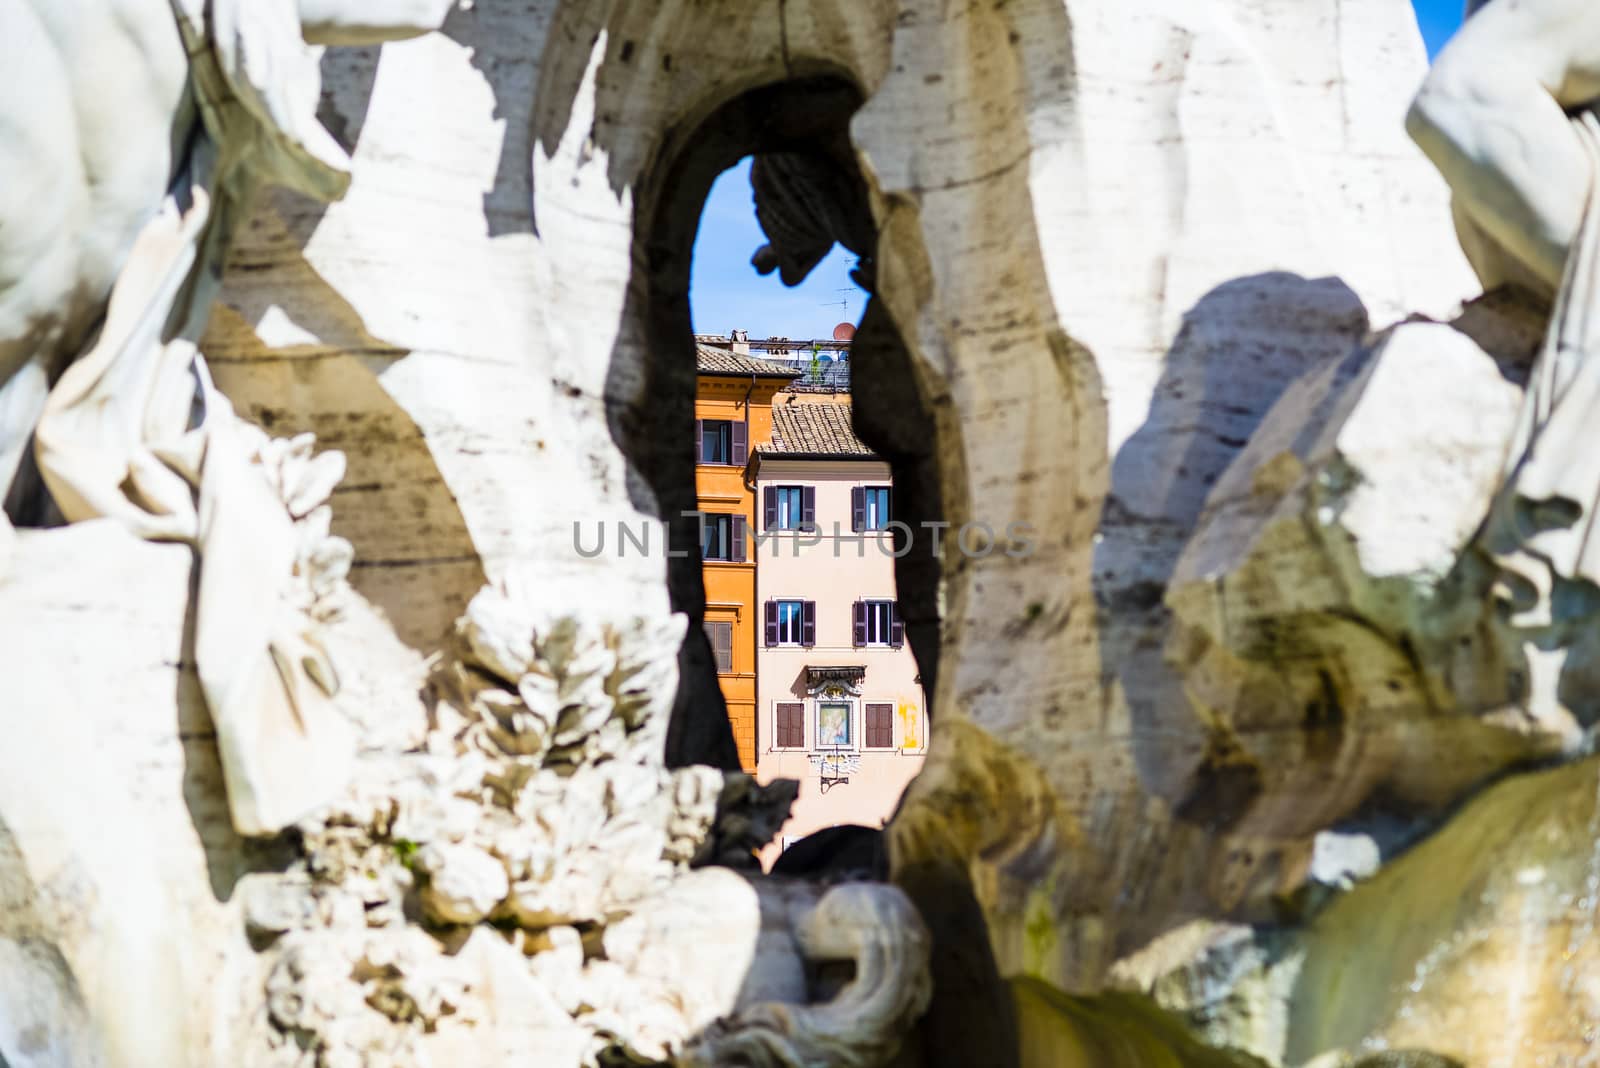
(1113, 238)
(133, 428)
(537, 828)
(536, 802)
(1506, 114)
(1495, 116)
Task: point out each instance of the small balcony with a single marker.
(822, 376)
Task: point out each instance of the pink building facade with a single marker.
(840, 702)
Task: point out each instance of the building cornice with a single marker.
(772, 467)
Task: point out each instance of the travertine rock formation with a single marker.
(1510, 935)
(1193, 242)
(1136, 269)
(1326, 614)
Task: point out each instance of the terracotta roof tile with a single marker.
(814, 429)
(715, 361)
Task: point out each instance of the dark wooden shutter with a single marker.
(772, 622)
(880, 726)
(861, 624)
(721, 635)
(808, 507)
(791, 725)
(858, 511)
(808, 623)
(741, 451)
(699, 441)
(736, 552)
(769, 508)
(897, 627)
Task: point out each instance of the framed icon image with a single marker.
(833, 725)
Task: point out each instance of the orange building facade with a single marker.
(733, 417)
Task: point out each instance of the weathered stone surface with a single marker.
(1192, 241)
(1416, 959)
(464, 884)
(1114, 1031)
(1329, 614)
(1228, 982)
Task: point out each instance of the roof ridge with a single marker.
(710, 359)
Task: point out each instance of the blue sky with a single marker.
(725, 293)
(1439, 19)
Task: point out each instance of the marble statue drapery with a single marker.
(1542, 531)
(1506, 114)
(135, 430)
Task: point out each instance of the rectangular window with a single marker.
(790, 618)
(880, 617)
(791, 725)
(720, 442)
(787, 500)
(791, 623)
(878, 623)
(721, 637)
(833, 725)
(880, 726)
(722, 538)
(869, 508)
(789, 507)
(716, 441)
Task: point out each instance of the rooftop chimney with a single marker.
(741, 342)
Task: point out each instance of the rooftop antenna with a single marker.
(844, 303)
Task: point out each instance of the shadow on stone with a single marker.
(837, 854)
(393, 498)
(1237, 351)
